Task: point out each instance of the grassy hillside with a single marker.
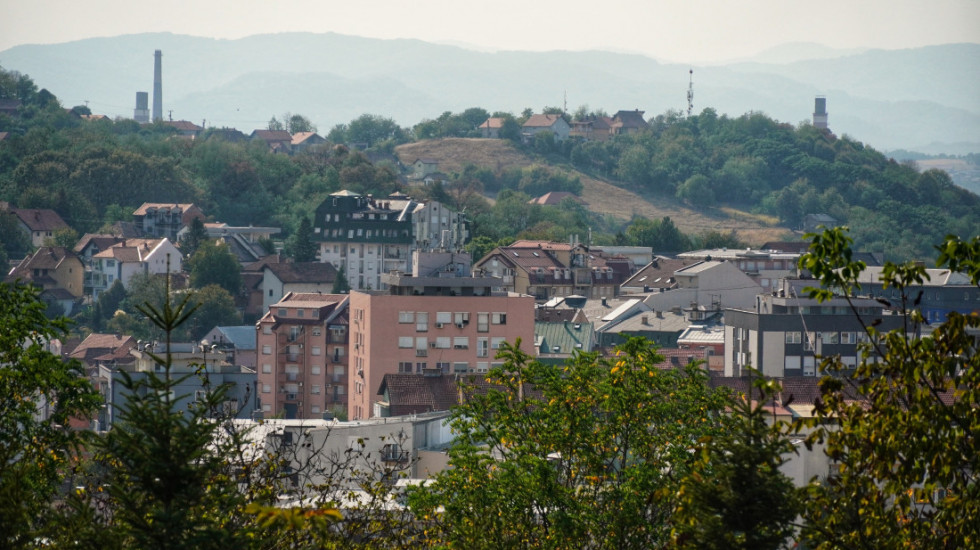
(601, 197)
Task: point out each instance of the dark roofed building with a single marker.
(39, 223)
(418, 393)
(184, 128)
(296, 277)
(628, 122)
(279, 141)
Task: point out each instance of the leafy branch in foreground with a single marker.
(906, 455)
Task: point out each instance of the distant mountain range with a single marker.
(922, 99)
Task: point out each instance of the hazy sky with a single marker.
(695, 31)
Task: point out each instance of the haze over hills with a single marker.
(921, 99)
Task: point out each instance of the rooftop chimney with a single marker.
(157, 86)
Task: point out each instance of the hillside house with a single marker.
(545, 123)
(165, 220)
(38, 223)
(491, 127)
(185, 128)
(598, 128)
(278, 141)
(57, 271)
(628, 122)
(123, 260)
(304, 140)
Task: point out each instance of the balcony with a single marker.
(393, 453)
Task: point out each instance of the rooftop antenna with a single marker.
(564, 107)
(690, 93)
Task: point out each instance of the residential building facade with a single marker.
(369, 237)
(786, 334)
(302, 356)
(159, 220)
(122, 261)
(430, 324)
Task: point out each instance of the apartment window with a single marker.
(315, 369)
(444, 317)
(419, 367)
(299, 312)
(294, 333)
(498, 318)
(315, 409)
(848, 338)
(267, 329)
(422, 321)
(829, 337)
(794, 337)
(406, 316)
(483, 322)
(443, 366)
(461, 342)
(315, 389)
(266, 407)
(266, 350)
(792, 362)
(496, 342)
(482, 366)
(283, 312)
(461, 318)
(482, 347)
(315, 313)
(809, 368)
(315, 350)
(317, 331)
(266, 388)
(405, 342)
(266, 369)
(443, 342)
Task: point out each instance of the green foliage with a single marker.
(13, 240)
(215, 264)
(735, 495)
(301, 247)
(906, 456)
(39, 394)
(65, 237)
(216, 307)
(588, 454)
(191, 241)
(697, 191)
(340, 284)
(662, 235)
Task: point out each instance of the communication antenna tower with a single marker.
(690, 93)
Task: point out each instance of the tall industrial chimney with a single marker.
(820, 112)
(141, 113)
(157, 86)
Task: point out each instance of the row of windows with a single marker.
(299, 313)
(833, 337)
(406, 367)
(483, 344)
(316, 370)
(459, 319)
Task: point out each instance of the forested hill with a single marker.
(751, 168)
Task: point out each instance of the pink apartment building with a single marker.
(301, 349)
(428, 324)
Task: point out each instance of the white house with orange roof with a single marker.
(123, 260)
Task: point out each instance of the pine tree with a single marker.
(340, 284)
